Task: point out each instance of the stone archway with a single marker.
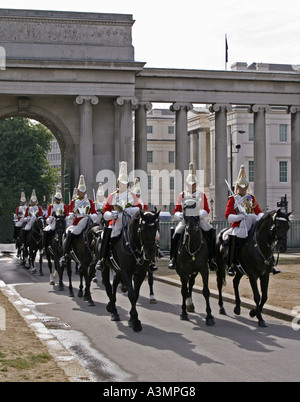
(24, 108)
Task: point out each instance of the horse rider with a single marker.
(80, 210)
(19, 216)
(56, 209)
(117, 202)
(32, 212)
(99, 202)
(242, 211)
(137, 191)
(191, 193)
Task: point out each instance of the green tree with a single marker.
(24, 145)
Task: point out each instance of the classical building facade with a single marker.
(76, 73)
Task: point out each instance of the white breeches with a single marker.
(30, 223)
(76, 230)
(20, 223)
(245, 225)
(204, 225)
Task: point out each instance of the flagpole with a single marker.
(226, 52)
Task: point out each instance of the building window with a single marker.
(283, 132)
(150, 156)
(171, 129)
(149, 129)
(283, 172)
(172, 183)
(251, 132)
(150, 182)
(171, 157)
(251, 171)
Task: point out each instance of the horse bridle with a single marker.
(37, 231)
(273, 245)
(187, 235)
(137, 253)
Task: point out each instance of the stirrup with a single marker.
(275, 271)
(213, 265)
(230, 271)
(152, 267)
(100, 265)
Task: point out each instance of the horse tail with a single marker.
(221, 272)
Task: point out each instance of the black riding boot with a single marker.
(174, 247)
(67, 247)
(211, 239)
(104, 248)
(231, 255)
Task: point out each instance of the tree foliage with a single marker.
(24, 145)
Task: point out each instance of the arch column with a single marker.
(295, 152)
(182, 141)
(86, 165)
(140, 144)
(124, 131)
(260, 153)
(221, 168)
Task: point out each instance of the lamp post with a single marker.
(238, 147)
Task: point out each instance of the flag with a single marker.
(226, 49)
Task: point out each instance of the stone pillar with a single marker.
(221, 168)
(140, 144)
(181, 142)
(295, 171)
(86, 166)
(124, 134)
(195, 156)
(260, 154)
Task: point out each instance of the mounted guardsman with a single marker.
(32, 212)
(242, 211)
(80, 209)
(56, 209)
(117, 202)
(100, 202)
(20, 215)
(191, 193)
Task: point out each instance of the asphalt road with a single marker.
(167, 349)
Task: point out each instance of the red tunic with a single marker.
(78, 219)
(231, 210)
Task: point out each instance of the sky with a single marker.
(191, 34)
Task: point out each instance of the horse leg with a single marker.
(60, 270)
(87, 292)
(236, 282)
(184, 292)
(50, 269)
(41, 264)
(189, 300)
(80, 290)
(150, 283)
(256, 312)
(264, 283)
(134, 321)
(69, 272)
(111, 306)
(206, 293)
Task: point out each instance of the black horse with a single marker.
(256, 256)
(34, 243)
(54, 251)
(192, 258)
(83, 253)
(130, 256)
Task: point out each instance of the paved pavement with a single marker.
(167, 349)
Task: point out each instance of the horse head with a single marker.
(39, 223)
(191, 216)
(148, 227)
(279, 229)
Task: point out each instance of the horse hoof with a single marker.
(237, 311)
(41, 273)
(108, 308)
(210, 322)
(61, 288)
(51, 283)
(184, 317)
(91, 303)
(135, 325)
(153, 300)
(252, 313)
(71, 293)
(222, 311)
(262, 324)
(191, 308)
(115, 317)
(80, 294)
